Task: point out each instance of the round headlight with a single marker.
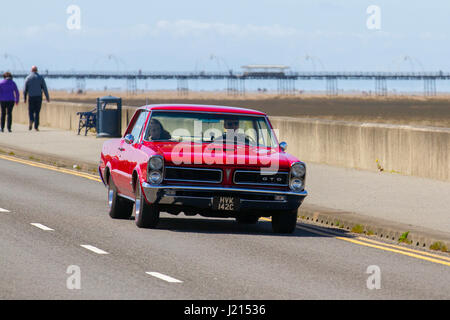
(156, 163)
(298, 170)
(155, 177)
(296, 184)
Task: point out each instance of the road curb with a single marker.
(54, 160)
(417, 237)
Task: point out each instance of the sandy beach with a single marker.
(399, 109)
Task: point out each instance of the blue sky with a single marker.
(183, 35)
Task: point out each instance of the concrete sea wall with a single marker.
(409, 150)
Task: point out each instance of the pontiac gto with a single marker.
(209, 160)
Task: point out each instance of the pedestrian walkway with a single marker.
(54, 142)
(404, 199)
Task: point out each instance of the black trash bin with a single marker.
(109, 117)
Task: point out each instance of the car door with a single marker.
(117, 166)
(129, 152)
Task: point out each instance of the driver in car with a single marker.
(233, 134)
(157, 131)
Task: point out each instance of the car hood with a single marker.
(214, 154)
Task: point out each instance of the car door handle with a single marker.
(121, 149)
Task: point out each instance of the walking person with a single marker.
(34, 86)
(9, 95)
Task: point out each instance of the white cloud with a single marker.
(185, 28)
(36, 30)
(191, 28)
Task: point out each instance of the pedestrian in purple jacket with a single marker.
(9, 95)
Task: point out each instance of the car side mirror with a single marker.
(283, 146)
(129, 138)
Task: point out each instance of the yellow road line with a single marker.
(396, 251)
(395, 246)
(403, 248)
(383, 246)
(49, 167)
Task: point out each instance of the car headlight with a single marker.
(155, 177)
(155, 169)
(298, 170)
(296, 184)
(156, 163)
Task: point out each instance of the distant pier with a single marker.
(236, 80)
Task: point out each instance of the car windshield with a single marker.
(210, 128)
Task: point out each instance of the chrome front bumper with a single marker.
(202, 196)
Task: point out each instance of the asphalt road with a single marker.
(185, 257)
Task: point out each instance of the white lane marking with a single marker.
(94, 249)
(42, 227)
(164, 277)
(4, 210)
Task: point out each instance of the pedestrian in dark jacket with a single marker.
(9, 95)
(34, 86)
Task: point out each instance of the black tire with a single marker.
(284, 222)
(119, 208)
(247, 219)
(146, 215)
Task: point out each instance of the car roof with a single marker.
(201, 108)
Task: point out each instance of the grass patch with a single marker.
(379, 167)
(439, 246)
(404, 238)
(357, 228)
(12, 153)
(370, 233)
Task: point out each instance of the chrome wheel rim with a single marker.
(110, 197)
(137, 204)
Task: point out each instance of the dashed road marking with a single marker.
(93, 249)
(164, 277)
(42, 227)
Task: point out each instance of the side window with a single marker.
(138, 125)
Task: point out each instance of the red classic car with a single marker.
(209, 160)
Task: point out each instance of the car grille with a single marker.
(241, 195)
(256, 178)
(193, 175)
